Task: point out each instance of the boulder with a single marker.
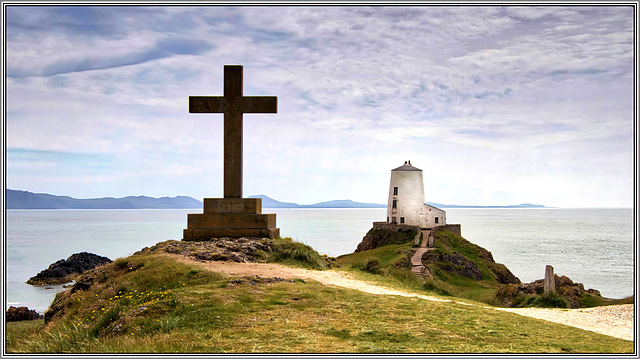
(564, 286)
(382, 235)
(64, 271)
(15, 314)
(453, 263)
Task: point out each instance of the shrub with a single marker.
(373, 266)
(120, 264)
(550, 300)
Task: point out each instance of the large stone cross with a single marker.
(233, 104)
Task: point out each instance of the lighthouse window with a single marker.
(401, 219)
(395, 204)
(395, 191)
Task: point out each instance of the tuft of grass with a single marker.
(549, 300)
(373, 266)
(292, 252)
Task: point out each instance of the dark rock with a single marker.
(565, 287)
(241, 250)
(15, 314)
(254, 280)
(62, 271)
(503, 274)
(237, 257)
(594, 292)
(382, 235)
(453, 263)
(80, 285)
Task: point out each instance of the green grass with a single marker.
(395, 267)
(288, 251)
(163, 306)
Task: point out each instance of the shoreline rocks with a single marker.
(16, 314)
(64, 271)
(509, 295)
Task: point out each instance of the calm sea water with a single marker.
(591, 246)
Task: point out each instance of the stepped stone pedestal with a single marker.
(230, 217)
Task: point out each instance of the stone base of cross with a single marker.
(231, 216)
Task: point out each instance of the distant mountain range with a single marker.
(268, 202)
(522, 205)
(29, 200)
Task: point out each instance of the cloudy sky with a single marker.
(497, 105)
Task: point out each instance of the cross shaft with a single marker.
(233, 104)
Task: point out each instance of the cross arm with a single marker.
(207, 104)
(260, 104)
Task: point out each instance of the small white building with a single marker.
(406, 200)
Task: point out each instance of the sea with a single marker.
(595, 247)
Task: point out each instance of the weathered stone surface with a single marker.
(549, 280)
(233, 104)
(230, 217)
(206, 220)
(232, 205)
(15, 314)
(453, 263)
(564, 286)
(63, 271)
(241, 250)
(205, 234)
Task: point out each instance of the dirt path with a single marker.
(615, 321)
(340, 279)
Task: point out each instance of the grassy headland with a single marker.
(151, 303)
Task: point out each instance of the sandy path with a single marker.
(615, 321)
(340, 279)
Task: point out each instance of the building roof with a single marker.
(406, 167)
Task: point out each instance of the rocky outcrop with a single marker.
(456, 255)
(515, 294)
(379, 236)
(454, 263)
(15, 314)
(64, 271)
(241, 250)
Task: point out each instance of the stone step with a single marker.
(416, 258)
(232, 205)
(205, 234)
(416, 261)
(237, 220)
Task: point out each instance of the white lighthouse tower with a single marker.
(406, 200)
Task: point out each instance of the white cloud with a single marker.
(501, 104)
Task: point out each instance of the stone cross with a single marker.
(233, 104)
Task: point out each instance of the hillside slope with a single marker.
(150, 302)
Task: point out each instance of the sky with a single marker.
(497, 105)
